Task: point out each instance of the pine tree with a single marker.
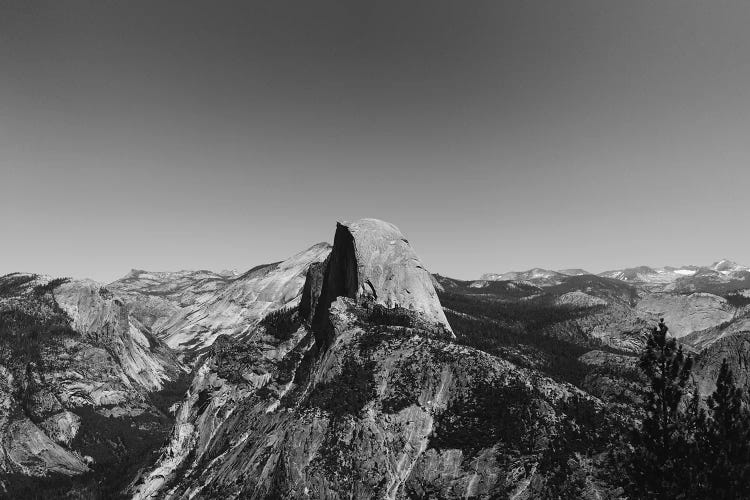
(657, 460)
(690, 448)
(679, 450)
(728, 440)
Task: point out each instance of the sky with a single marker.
(497, 135)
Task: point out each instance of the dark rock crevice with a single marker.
(312, 289)
(340, 280)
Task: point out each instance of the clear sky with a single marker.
(498, 135)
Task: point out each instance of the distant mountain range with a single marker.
(721, 276)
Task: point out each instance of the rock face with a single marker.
(98, 315)
(686, 314)
(735, 348)
(154, 297)
(76, 375)
(703, 339)
(218, 305)
(373, 262)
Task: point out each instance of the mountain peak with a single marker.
(372, 261)
(726, 266)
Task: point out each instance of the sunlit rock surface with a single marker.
(685, 314)
(100, 316)
(218, 305)
(373, 262)
(75, 369)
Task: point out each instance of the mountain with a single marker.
(363, 394)
(346, 370)
(81, 380)
(645, 275)
(535, 276)
(154, 297)
(573, 272)
(190, 310)
(727, 267)
(691, 298)
(720, 277)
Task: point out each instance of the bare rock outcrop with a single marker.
(735, 349)
(686, 314)
(76, 375)
(219, 305)
(372, 262)
(105, 319)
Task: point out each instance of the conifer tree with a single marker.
(679, 450)
(657, 462)
(727, 447)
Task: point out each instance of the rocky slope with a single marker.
(191, 312)
(361, 393)
(154, 297)
(77, 375)
(686, 313)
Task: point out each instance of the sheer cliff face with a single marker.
(378, 407)
(372, 262)
(72, 362)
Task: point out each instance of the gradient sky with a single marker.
(497, 135)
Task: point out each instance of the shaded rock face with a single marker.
(735, 349)
(372, 262)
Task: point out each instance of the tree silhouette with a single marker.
(679, 450)
(657, 461)
(728, 435)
